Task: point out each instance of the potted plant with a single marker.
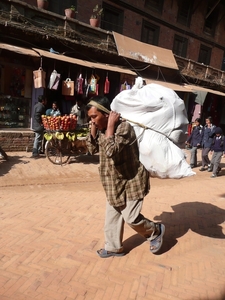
(42, 4)
(96, 14)
(70, 12)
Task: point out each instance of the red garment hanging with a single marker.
(107, 86)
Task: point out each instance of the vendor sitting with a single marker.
(54, 111)
(79, 109)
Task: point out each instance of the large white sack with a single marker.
(155, 106)
(161, 157)
(160, 109)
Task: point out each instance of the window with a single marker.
(204, 55)
(150, 33)
(155, 5)
(211, 19)
(58, 7)
(184, 12)
(112, 19)
(180, 46)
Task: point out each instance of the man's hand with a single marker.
(113, 119)
(93, 129)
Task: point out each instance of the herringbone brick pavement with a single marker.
(51, 224)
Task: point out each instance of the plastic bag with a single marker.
(92, 85)
(79, 86)
(39, 78)
(54, 80)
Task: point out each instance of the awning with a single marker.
(173, 86)
(143, 52)
(199, 91)
(202, 92)
(35, 52)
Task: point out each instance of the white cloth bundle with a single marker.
(160, 109)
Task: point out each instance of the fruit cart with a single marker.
(63, 138)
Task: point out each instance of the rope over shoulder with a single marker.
(105, 110)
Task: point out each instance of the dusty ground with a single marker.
(52, 219)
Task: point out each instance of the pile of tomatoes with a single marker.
(64, 123)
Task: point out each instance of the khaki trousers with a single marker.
(129, 213)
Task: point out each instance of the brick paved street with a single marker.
(52, 219)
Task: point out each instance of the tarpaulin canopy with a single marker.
(173, 86)
(143, 52)
(199, 91)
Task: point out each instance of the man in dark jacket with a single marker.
(195, 140)
(37, 126)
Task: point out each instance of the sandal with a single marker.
(156, 244)
(104, 253)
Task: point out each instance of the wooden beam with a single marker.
(212, 9)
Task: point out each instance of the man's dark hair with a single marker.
(102, 100)
(210, 119)
(41, 98)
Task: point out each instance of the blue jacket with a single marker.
(195, 137)
(218, 144)
(207, 136)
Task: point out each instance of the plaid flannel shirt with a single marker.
(122, 175)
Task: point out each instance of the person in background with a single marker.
(54, 111)
(37, 126)
(124, 178)
(218, 148)
(207, 138)
(79, 109)
(194, 140)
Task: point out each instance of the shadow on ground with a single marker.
(7, 165)
(202, 218)
(85, 159)
(222, 297)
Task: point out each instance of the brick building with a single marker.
(192, 29)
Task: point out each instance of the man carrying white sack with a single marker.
(124, 178)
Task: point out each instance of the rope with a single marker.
(102, 108)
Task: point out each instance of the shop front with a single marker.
(19, 91)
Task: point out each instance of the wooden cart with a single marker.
(61, 145)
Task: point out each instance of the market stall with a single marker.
(63, 138)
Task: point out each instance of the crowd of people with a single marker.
(211, 140)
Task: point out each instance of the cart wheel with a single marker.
(3, 154)
(58, 151)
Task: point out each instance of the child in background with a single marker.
(218, 148)
(194, 140)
